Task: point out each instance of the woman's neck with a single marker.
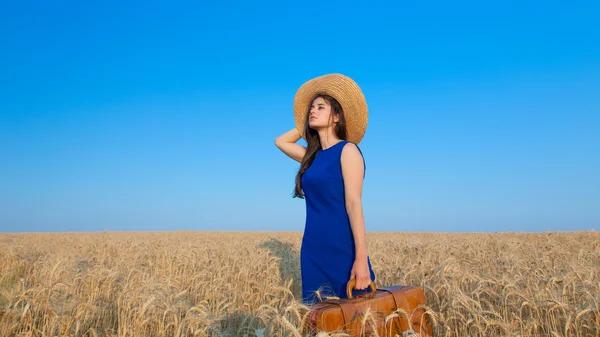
(327, 138)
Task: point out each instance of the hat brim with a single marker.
(346, 92)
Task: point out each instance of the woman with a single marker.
(331, 115)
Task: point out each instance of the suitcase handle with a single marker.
(351, 285)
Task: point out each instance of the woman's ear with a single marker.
(336, 118)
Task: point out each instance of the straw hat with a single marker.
(346, 92)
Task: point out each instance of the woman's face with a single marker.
(320, 114)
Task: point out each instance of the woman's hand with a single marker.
(360, 271)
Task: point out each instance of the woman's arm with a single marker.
(287, 144)
(353, 172)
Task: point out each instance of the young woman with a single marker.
(331, 115)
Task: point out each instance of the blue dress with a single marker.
(327, 251)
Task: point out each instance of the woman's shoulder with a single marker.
(351, 151)
(352, 158)
(350, 147)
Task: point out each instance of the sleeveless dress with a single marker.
(327, 250)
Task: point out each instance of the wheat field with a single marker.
(248, 283)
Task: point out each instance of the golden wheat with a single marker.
(248, 284)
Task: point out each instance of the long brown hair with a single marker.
(313, 141)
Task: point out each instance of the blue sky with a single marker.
(162, 116)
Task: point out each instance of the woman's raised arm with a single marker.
(287, 144)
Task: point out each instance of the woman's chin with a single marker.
(313, 126)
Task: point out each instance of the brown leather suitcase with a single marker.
(390, 311)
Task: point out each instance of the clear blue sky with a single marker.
(484, 116)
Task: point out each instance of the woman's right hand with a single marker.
(287, 144)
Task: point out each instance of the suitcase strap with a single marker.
(352, 318)
(400, 302)
(351, 314)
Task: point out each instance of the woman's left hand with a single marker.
(360, 271)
